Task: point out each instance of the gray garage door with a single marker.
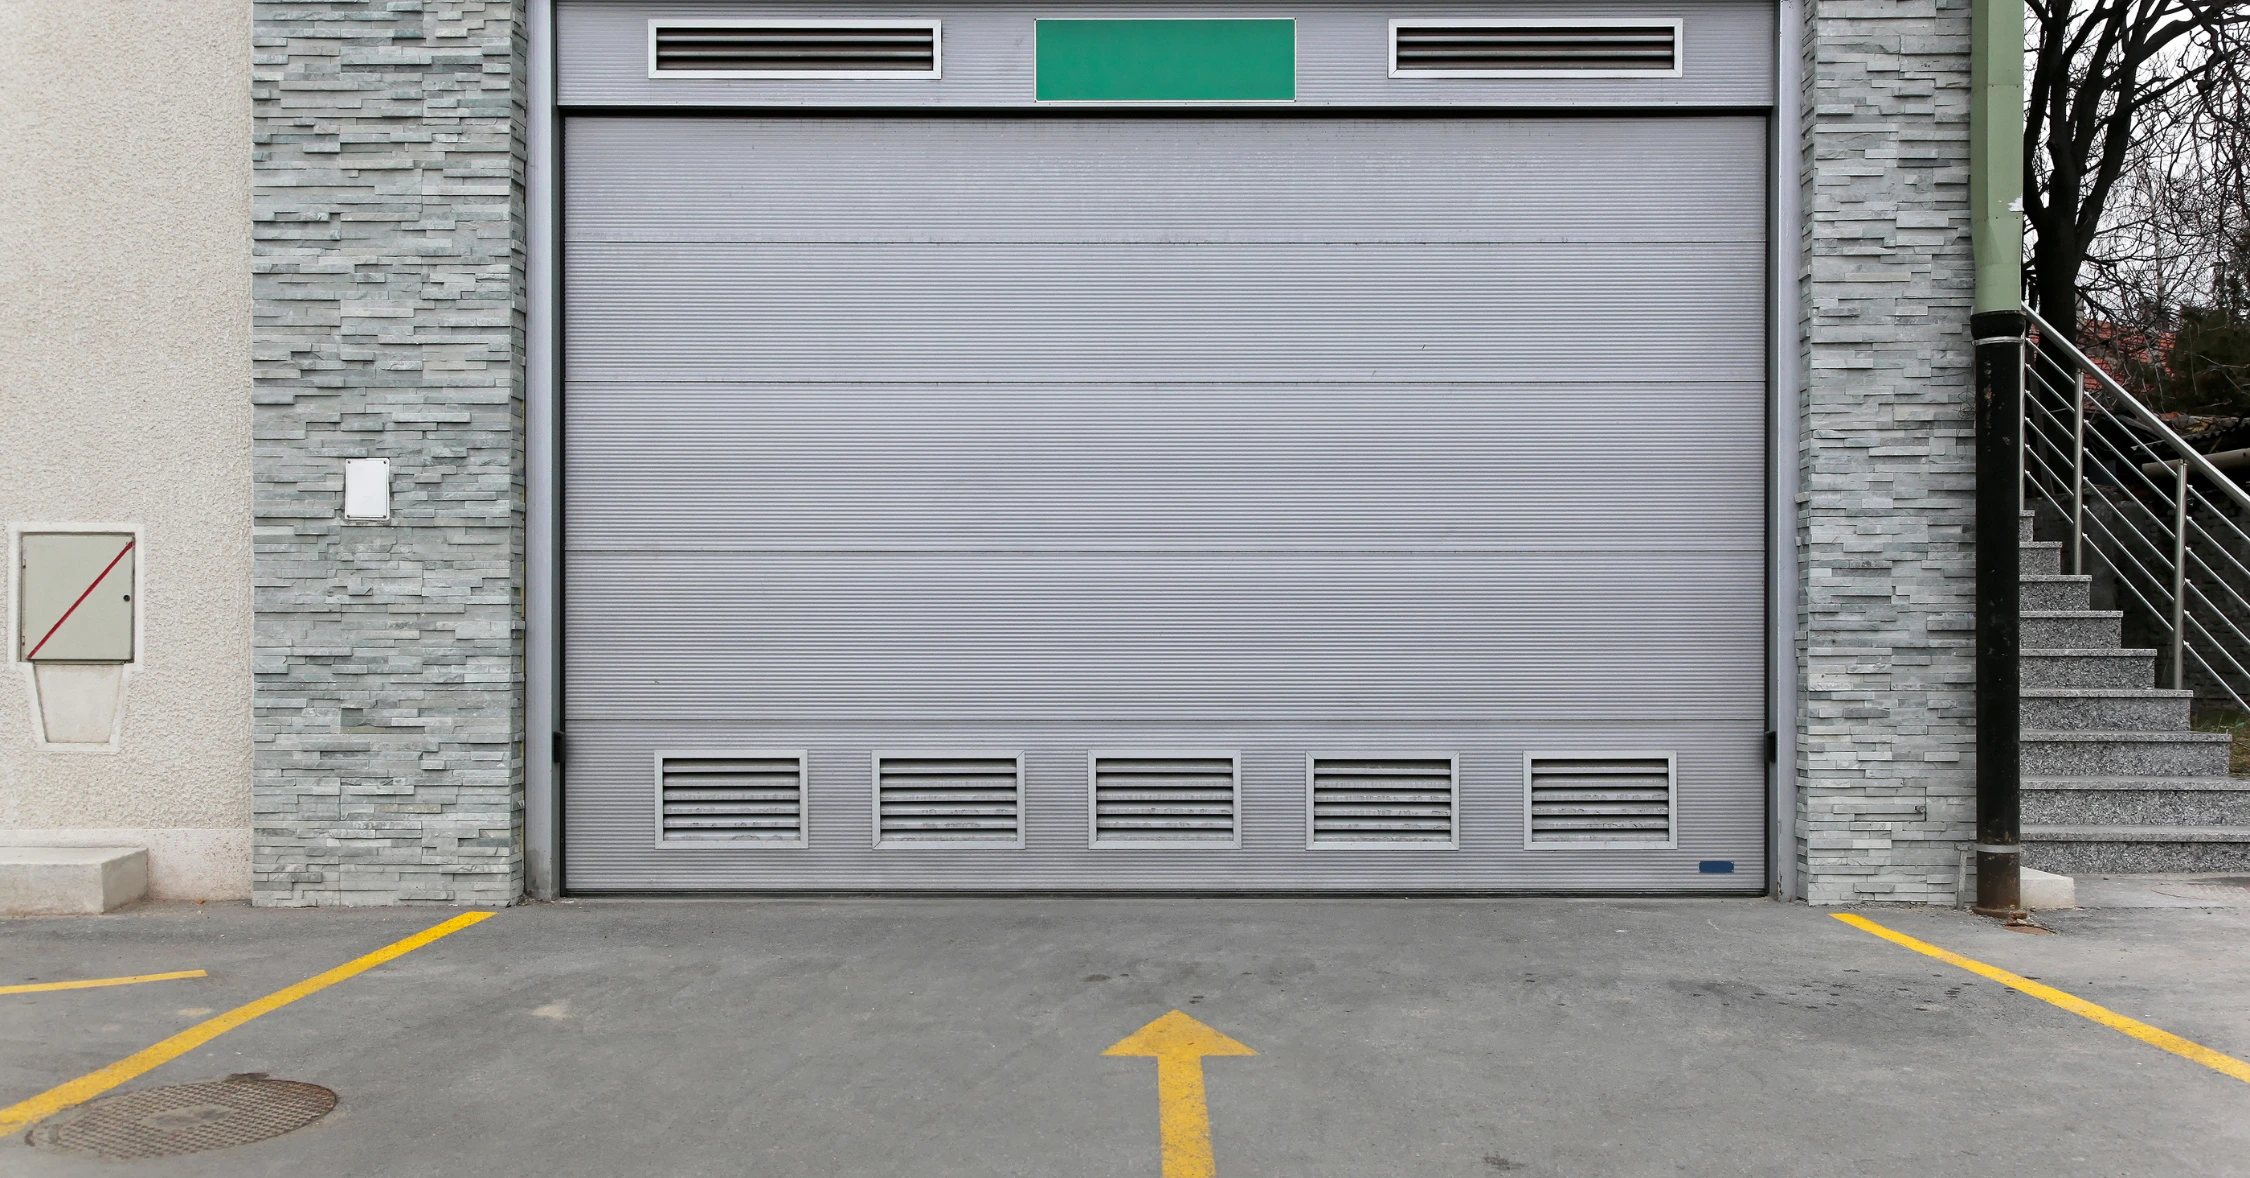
(1152, 502)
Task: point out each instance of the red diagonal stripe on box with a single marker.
(34, 651)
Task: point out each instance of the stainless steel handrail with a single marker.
(2049, 336)
(2147, 529)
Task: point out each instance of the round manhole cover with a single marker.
(184, 1118)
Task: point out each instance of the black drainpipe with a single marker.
(1999, 339)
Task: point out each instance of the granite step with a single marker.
(2136, 801)
(2041, 558)
(2096, 753)
(2105, 709)
(2109, 666)
(2134, 850)
(2060, 591)
(2050, 629)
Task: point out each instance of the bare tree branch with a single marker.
(2132, 137)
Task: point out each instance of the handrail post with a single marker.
(2077, 475)
(2179, 579)
(2023, 421)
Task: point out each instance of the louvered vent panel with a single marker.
(709, 799)
(1383, 801)
(1486, 50)
(1600, 801)
(1165, 799)
(797, 50)
(948, 800)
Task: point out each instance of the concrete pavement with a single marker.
(965, 1037)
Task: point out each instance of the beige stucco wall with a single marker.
(125, 389)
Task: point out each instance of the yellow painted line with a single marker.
(1183, 1116)
(2153, 1036)
(91, 983)
(92, 1084)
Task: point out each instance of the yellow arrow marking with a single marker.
(1179, 1044)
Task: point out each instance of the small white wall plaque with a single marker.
(367, 488)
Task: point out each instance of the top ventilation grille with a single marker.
(1386, 802)
(756, 797)
(951, 800)
(1477, 49)
(1189, 799)
(788, 49)
(1598, 800)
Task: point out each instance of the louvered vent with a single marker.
(1382, 801)
(786, 49)
(732, 798)
(1595, 800)
(1179, 799)
(1472, 49)
(948, 800)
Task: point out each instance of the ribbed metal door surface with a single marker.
(1122, 475)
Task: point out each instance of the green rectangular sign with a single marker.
(1166, 60)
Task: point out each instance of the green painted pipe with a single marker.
(1996, 151)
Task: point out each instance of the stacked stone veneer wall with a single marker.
(389, 296)
(1886, 763)
(389, 322)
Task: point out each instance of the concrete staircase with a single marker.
(2113, 779)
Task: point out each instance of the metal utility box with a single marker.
(75, 597)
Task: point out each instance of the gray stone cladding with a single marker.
(389, 322)
(1886, 726)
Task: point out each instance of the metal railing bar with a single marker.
(2051, 416)
(2049, 337)
(2122, 577)
(2032, 425)
(2054, 377)
(2052, 392)
(2128, 463)
(2197, 588)
(2221, 680)
(2122, 474)
(2218, 646)
(2221, 607)
(2138, 532)
(2218, 640)
(2220, 544)
(2128, 585)
(2046, 474)
(2217, 512)
(2042, 469)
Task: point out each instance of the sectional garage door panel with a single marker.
(1145, 636)
(1162, 312)
(1234, 441)
(1462, 466)
(1717, 821)
(1003, 180)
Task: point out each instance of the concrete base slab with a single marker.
(184, 862)
(37, 881)
(2177, 890)
(2043, 889)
